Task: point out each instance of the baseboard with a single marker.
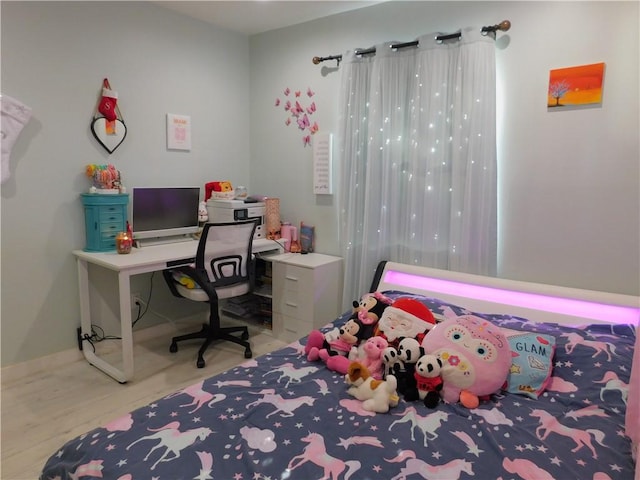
(18, 371)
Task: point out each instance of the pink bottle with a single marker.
(285, 232)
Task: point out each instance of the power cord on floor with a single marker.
(100, 336)
(95, 337)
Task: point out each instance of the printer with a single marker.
(222, 210)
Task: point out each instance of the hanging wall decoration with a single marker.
(107, 125)
(178, 132)
(575, 86)
(299, 114)
(14, 115)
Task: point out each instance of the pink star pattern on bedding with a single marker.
(280, 416)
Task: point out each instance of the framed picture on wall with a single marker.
(575, 86)
(178, 132)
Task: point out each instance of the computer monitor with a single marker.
(164, 214)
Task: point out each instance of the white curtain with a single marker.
(417, 148)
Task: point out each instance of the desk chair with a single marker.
(224, 268)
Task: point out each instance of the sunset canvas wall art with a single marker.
(575, 86)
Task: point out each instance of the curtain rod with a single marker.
(502, 26)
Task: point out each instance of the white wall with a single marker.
(569, 181)
(54, 58)
(569, 191)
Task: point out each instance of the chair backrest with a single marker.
(224, 252)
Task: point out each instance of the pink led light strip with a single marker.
(577, 308)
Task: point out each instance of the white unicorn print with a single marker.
(173, 440)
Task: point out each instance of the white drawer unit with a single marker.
(307, 293)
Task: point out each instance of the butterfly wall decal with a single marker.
(299, 112)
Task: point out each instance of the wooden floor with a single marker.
(53, 403)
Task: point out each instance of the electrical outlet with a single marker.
(136, 299)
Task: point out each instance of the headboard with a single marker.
(534, 301)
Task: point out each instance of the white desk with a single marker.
(140, 260)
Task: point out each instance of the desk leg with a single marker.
(125, 319)
(126, 324)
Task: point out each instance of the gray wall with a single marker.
(54, 58)
(569, 191)
(569, 181)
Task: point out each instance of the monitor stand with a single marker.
(147, 242)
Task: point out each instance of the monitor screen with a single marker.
(158, 212)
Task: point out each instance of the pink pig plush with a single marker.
(475, 356)
(371, 355)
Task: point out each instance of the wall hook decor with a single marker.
(107, 125)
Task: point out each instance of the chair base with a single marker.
(210, 335)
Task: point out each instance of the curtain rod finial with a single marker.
(316, 60)
(503, 26)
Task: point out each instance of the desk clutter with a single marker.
(250, 308)
(257, 306)
(105, 211)
(223, 203)
(105, 179)
(108, 228)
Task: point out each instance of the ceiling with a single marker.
(253, 17)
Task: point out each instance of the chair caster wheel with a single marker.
(245, 336)
(173, 348)
(200, 363)
(247, 353)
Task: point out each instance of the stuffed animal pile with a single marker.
(339, 347)
(397, 348)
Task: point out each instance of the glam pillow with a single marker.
(531, 363)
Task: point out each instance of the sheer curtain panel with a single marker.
(417, 148)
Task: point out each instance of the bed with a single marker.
(280, 416)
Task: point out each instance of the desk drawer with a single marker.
(290, 329)
(296, 304)
(296, 278)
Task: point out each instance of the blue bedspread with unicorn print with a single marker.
(281, 417)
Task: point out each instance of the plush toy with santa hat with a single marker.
(405, 318)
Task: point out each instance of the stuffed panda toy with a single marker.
(389, 361)
(409, 351)
(428, 379)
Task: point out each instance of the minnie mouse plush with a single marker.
(373, 305)
(334, 347)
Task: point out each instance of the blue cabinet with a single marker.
(105, 216)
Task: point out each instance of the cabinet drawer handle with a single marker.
(291, 278)
(291, 304)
